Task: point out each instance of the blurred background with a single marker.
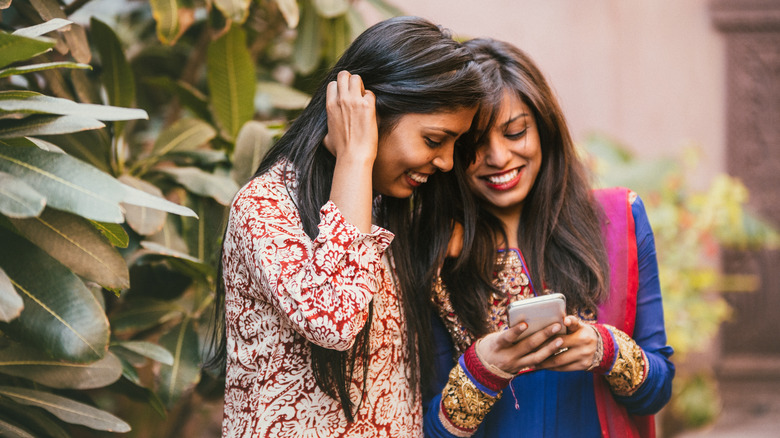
(151, 106)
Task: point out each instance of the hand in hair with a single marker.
(352, 126)
(352, 138)
(501, 349)
(580, 343)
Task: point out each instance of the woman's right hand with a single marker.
(503, 350)
(352, 123)
(352, 138)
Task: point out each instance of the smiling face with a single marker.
(507, 165)
(415, 148)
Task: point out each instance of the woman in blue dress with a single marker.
(530, 224)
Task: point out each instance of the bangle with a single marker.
(599, 353)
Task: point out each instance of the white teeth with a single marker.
(504, 178)
(417, 177)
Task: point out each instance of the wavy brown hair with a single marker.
(559, 231)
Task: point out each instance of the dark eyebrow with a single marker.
(446, 131)
(514, 119)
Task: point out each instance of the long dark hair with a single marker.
(559, 232)
(412, 66)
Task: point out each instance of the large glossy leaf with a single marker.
(143, 220)
(17, 199)
(338, 34)
(252, 143)
(29, 102)
(204, 236)
(46, 125)
(280, 96)
(117, 77)
(86, 86)
(331, 8)
(235, 10)
(34, 365)
(60, 316)
(150, 350)
(182, 376)
(185, 134)
(290, 12)
(14, 48)
(307, 45)
(231, 79)
(43, 28)
(11, 303)
(71, 185)
(13, 430)
(77, 244)
(144, 314)
(66, 409)
(200, 182)
(75, 37)
(38, 421)
(41, 67)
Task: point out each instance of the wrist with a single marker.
(485, 373)
(607, 343)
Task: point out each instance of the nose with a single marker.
(496, 153)
(443, 159)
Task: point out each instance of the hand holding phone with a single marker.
(538, 312)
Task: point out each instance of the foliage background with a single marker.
(124, 133)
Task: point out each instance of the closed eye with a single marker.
(516, 135)
(432, 144)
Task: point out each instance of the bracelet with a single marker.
(490, 367)
(599, 354)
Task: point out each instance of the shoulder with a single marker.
(269, 194)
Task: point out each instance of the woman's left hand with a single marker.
(579, 348)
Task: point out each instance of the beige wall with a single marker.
(647, 72)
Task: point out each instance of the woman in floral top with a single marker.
(319, 315)
(531, 225)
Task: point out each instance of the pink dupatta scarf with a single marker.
(620, 309)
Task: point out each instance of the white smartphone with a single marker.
(538, 312)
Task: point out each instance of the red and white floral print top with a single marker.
(283, 291)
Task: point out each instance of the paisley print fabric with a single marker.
(285, 291)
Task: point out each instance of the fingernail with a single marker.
(523, 326)
(556, 327)
(558, 342)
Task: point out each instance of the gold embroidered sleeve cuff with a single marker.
(464, 404)
(630, 367)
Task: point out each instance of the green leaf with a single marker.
(66, 409)
(14, 48)
(86, 86)
(166, 15)
(17, 199)
(77, 244)
(252, 143)
(92, 146)
(150, 350)
(143, 315)
(41, 67)
(290, 12)
(202, 183)
(188, 95)
(11, 430)
(234, 10)
(281, 96)
(185, 134)
(75, 37)
(114, 233)
(71, 185)
(60, 316)
(36, 420)
(331, 8)
(306, 56)
(117, 76)
(338, 33)
(231, 79)
(182, 376)
(46, 125)
(43, 28)
(143, 220)
(27, 102)
(34, 365)
(11, 304)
